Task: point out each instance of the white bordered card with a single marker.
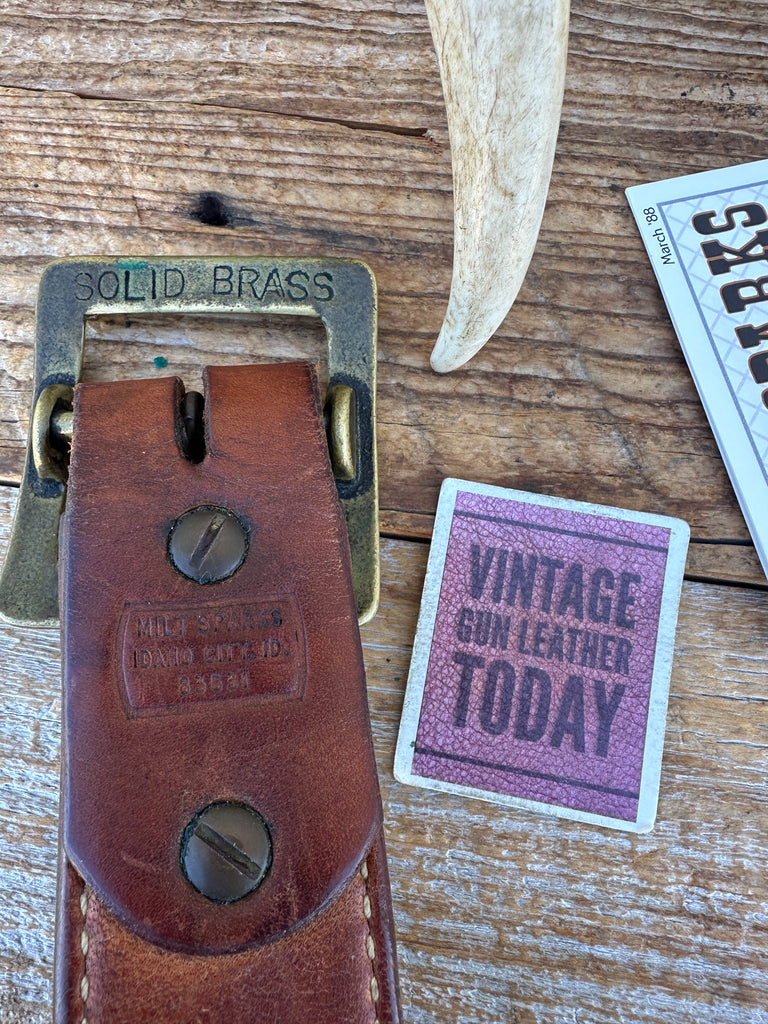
(707, 239)
(540, 670)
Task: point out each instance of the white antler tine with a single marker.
(502, 64)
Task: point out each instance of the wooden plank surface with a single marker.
(501, 916)
(318, 128)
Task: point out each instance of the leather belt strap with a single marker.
(246, 692)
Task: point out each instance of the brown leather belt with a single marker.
(248, 691)
(222, 850)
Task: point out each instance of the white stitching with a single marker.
(370, 946)
(84, 943)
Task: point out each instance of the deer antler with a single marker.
(502, 64)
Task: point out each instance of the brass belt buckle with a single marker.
(341, 292)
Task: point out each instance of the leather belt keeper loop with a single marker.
(246, 691)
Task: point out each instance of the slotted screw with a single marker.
(226, 851)
(207, 544)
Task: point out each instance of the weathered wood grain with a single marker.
(318, 128)
(583, 392)
(362, 62)
(501, 916)
(566, 407)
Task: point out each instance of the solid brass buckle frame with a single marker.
(341, 292)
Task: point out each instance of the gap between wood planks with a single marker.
(361, 126)
(705, 563)
(704, 556)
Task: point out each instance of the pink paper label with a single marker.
(541, 662)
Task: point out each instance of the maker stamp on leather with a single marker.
(542, 657)
(175, 656)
